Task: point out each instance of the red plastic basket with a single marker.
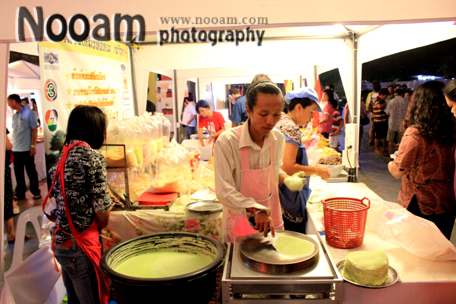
(345, 221)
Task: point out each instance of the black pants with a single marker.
(444, 221)
(21, 160)
(325, 134)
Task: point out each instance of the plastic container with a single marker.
(334, 170)
(345, 221)
(193, 287)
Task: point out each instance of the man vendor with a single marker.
(248, 161)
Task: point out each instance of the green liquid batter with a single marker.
(289, 245)
(160, 264)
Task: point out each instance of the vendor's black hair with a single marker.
(304, 102)
(429, 113)
(330, 94)
(233, 91)
(376, 86)
(265, 87)
(88, 124)
(383, 92)
(450, 90)
(399, 92)
(15, 97)
(201, 104)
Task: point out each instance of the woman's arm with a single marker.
(407, 154)
(200, 136)
(325, 119)
(216, 134)
(192, 116)
(291, 167)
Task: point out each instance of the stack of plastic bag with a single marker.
(173, 171)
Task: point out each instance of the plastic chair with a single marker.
(33, 280)
(34, 215)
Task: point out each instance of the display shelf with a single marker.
(125, 199)
(123, 169)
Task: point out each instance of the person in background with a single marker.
(150, 105)
(25, 133)
(425, 160)
(239, 115)
(369, 105)
(408, 95)
(330, 86)
(390, 93)
(396, 109)
(397, 87)
(189, 116)
(337, 125)
(326, 116)
(8, 213)
(380, 121)
(300, 107)
(35, 109)
(450, 96)
(211, 120)
(83, 206)
(404, 87)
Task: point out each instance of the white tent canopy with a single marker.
(23, 75)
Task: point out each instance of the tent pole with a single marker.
(4, 53)
(133, 82)
(357, 106)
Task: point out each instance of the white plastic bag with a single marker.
(415, 234)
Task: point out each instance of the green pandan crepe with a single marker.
(293, 246)
(161, 264)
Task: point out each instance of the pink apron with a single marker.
(261, 185)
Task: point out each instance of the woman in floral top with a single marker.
(425, 160)
(84, 198)
(301, 105)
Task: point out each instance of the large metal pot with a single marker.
(194, 287)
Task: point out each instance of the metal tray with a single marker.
(205, 207)
(257, 252)
(393, 277)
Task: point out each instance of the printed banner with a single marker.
(86, 73)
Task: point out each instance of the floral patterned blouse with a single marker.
(287, 126)
(86, 190)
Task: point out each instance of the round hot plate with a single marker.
(257, 252)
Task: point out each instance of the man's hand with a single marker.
(32, 151)
(262, 222)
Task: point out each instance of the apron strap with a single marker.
(62, 184)
(244, 153)
(60, 172)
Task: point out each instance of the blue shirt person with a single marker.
(25, 133)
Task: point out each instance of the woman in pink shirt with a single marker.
(328, 104)
(425, 159)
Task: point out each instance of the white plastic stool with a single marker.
(30, 215)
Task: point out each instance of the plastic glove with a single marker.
(295, 182)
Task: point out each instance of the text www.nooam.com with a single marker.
(213, 36)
